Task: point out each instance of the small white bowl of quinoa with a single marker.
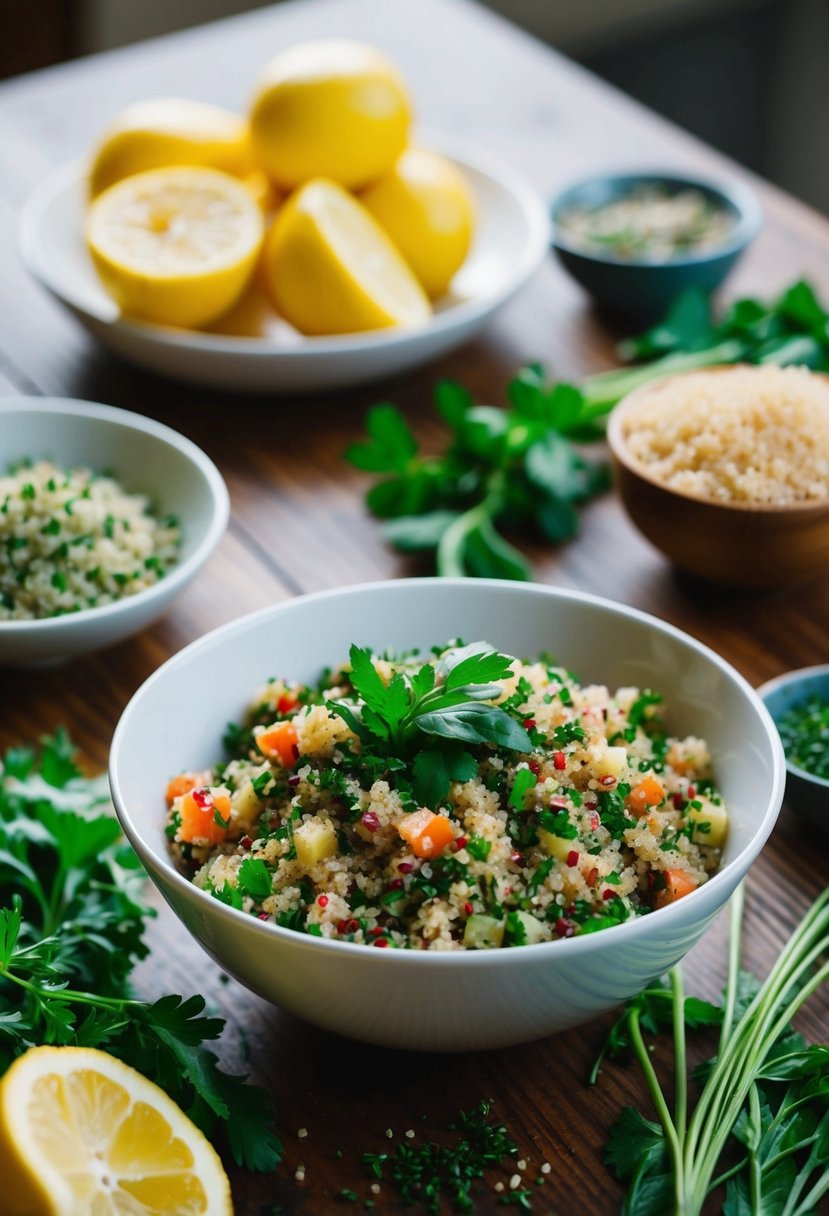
(726, 470)
(104, 518)
(410, 869)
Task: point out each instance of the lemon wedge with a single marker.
(82, 1134)
(334, 109)
(175, 246)
(169, 131)
(426, 208)
(331, 269)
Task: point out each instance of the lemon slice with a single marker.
(169, 131)
(426, 208)
(331, 269)
(175, 246)
(82, 1134)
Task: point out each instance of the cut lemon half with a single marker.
(82, 1134)
(175, 246)
(331, 269)
(169, 131)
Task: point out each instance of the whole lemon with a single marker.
(426, 208)
(169, 131)
(334, 109)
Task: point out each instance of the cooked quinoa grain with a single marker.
(368, 809)
(756, 435)
(73, 539)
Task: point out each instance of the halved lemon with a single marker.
(82, 1134)
(175, 246)
(333, 108)
(169, 131)
(331, 269)
(426, 208)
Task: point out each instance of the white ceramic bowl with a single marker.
(434, 1001)
(512, 237)
(147, 458)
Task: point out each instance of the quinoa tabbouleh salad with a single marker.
(471, 800)
(72, 539)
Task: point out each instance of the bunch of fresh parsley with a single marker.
(516, 470)
(72, 923)
(428, 715)
(760, 1126)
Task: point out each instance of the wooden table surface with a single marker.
(299, 524)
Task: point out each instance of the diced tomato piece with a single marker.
(677, 884)
(279, 742)
(287, 703)
(427, 834)
(200, 815)
(647, 793)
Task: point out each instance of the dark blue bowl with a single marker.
(643, 289)
(806, 793)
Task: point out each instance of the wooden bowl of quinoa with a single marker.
(104, 518)
(726, 470)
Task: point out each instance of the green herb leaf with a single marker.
(476, 724)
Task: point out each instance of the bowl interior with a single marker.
(144, 461)
(213, 681)
(793, 689)
(510, 238)
(597, 191)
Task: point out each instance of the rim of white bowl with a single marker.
(632, 929)
(178, 574)
(799, 675)
(536, 247)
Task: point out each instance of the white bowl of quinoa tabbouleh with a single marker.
(447, 814)
(105, 516)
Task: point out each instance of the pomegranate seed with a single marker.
(380, 941)
(286, 703)
(678, 801)
(468, 909)
(608, 894)
(377, 931)
(405, 867)
(515, 856)
(570, 909)
(534, 766)
(295, 751)
(293, 780)
(594, 822)
(263, 915)
(203, 798)
(607, 781)
(558, 804)
(507, 891)
(322, 900)
(573, 858)
(370, 821)
(590, 806)
(395, 884)
(592, 876)
(342, 925)
(461, 843)
(529, 723)
(246, 842)
(563, 928)
(560, 761)
(692, 793)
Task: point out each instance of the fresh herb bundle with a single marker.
(516, 470)
(762, 1115)
(72, 923)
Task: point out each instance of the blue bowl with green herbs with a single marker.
(799, 704)
(635, 241)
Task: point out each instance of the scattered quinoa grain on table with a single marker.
(75, 539)
(572, 810)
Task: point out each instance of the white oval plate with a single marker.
(512, 237)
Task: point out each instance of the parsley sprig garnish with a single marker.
(429, 714)
(72, 921)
